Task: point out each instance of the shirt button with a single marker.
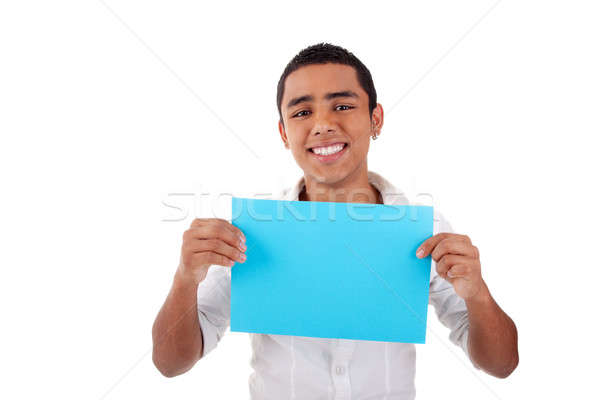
(340, 370)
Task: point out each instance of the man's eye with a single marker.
(347, 107)
(298, 114)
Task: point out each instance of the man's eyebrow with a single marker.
(298, 100)
(328, 96)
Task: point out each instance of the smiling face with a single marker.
(326, 122)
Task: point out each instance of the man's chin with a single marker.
(330, 178)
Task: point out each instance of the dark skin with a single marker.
(343, 118)
(311, 115)
(493, 344)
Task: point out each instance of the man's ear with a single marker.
(283, 135)
(377, 118)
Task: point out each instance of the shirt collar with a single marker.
(389, 193)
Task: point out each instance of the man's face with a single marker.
(326, 120)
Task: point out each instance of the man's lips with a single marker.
(326, 145)
(330, 157)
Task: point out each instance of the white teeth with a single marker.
(325, 151)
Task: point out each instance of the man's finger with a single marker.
(228, 225)
(428, 245)
(458, 271)
(447, 262)
(453, 245)
(199, 222)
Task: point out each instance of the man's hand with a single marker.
(457, 262)
(492, 333)
(210, 241)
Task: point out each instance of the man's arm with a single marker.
(176, 333)
(196, 311)
(492, 335)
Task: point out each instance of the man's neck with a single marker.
(354, 188)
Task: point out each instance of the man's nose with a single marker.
(323, 124)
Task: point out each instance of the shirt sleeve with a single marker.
(213, 296)
(450, 308)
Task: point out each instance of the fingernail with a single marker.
(243, 257)
(420, 253)
(242, 246)
(450, 275)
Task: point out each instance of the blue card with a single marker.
(331, 270)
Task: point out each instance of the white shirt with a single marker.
(298, 367)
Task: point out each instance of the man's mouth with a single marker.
(329, 153)
(328, 150)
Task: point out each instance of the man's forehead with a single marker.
(320, 79)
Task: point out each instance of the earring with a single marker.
(374, 136)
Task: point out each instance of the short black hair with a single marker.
(323, 53)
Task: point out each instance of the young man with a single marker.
(328, 115)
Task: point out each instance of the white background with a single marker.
(108, 107)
